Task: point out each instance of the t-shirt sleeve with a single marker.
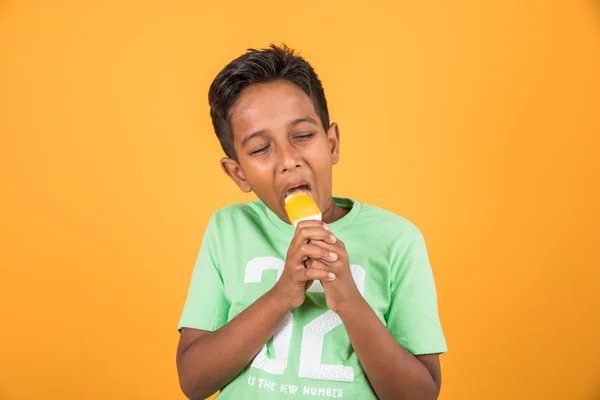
(206, 305)
(412, 317)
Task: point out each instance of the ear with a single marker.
(234, 171)
(333, 135)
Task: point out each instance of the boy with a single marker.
(344, 308)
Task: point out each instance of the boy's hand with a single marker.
(342, 293)
(296, 277)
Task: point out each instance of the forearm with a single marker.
(393, 372)
(216, 358)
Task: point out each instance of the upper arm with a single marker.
(187, 370)
(412, 317)
(187, 337)
(207, 304)
(432, 363)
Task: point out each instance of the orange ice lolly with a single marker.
(301, 207)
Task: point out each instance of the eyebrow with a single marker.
(303, 119)
(262, 131)
(252, 136)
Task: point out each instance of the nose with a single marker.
(288, 158)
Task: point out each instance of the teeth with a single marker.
(297, 189)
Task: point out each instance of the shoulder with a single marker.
(389, 233)
(399, 238)
(388, 223)
(237, 215)
(251, 208)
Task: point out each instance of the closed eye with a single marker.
(305, 136)
(260, 150)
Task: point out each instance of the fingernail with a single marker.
(333, 239)
(331, 275)
(326, 227)
(333, 256)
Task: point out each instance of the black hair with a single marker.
(261, 66)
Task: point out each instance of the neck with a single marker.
(333, 212)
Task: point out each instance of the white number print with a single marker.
(313, 334)
(283, 333)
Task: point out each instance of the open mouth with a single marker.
(306, 189)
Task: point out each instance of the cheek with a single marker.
(260, 170)
(321, 160)
(259, 175)
(254, 167)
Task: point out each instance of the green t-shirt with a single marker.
(310, 356)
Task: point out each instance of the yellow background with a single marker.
(478, 121)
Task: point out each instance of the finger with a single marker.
(311, 250)
(314, 233)
(308, 274)
(335, 248)
(311, 223)
(302, 248)
(320, 265)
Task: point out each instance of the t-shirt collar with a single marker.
(336, 226)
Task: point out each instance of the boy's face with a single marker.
(280, 145)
